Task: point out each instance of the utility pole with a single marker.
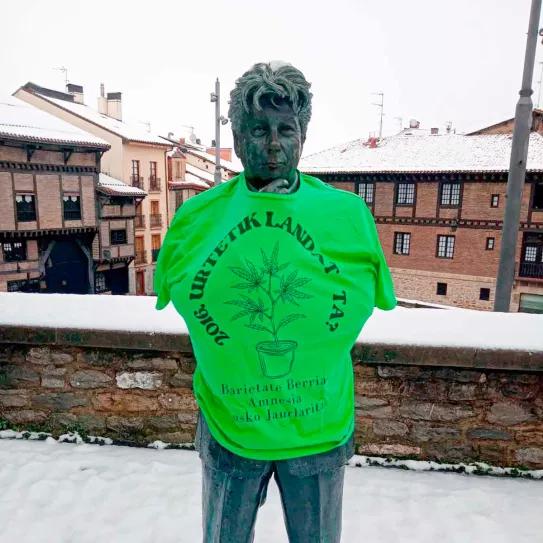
(380, 105)
(517, 169)
(219, 119)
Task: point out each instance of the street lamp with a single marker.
(517, 169)
(219, 119)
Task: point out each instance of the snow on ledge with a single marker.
(402, 326)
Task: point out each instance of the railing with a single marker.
(141, 258)
(23, 216)
(136, 181)
(154, 255)
(531, 269)
(139, 221)
(72, 215)
(154, 184)
(155, 219)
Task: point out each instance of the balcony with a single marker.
(154, 184)
(155, 220)
(531, 269)
(25, 216)
(136, 181)
(141, 257)
(72, 214)
(139, 221)
(154, 254)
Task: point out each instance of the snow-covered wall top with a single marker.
(410, 327)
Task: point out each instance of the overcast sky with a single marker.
(435, 60)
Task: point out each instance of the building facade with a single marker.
(438, 202)
(136, 157)
(48, 208)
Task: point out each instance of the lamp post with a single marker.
(219, 119)
(517, 169)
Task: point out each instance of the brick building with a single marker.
(48, 209)
(438, 201)
(137, 157)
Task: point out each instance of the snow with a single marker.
(111, 185)
(121, 128)
(203, 174)
(438, 153)
(62, 493)
(21, 120)
(226, 164)
(401, 326)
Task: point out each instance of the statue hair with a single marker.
(276, 82)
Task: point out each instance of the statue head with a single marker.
(270, 108)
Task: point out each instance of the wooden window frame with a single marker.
(408, 192)
(447, 240)
(114, 234)
(439, 283)
(497, 197)
(33, 215)
(402, 235)
(20, 252)
(458, 194)
(490, 241)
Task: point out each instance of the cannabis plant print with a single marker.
(269, 286)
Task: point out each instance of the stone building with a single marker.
(137, 158)
(48, 209)
(438, 201)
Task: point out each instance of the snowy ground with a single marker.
(54, 492)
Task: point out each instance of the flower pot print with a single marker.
(270, 289)
(276, 358)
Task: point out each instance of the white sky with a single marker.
(435, 60)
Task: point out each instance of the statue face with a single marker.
(270, 144)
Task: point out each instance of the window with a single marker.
(155, 247)
(365, 191)
(100, 282)
(445, 246)
(484, 294)
(538, 196)
(450, 194)
(26, 207)
(530, 253)
(117, 237)
(24, 285)
(152, 172)
(489, 244)
(405, 194)
(72, 207)
(441, 289)
(402, 241)
(14, 251)
(495, 200)
(136, 168)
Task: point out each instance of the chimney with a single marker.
(102, 102)
(413, 123)
(76, 91)
(434, 131)
(114, 105)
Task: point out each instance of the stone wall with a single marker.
(444, 404)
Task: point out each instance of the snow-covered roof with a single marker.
(436, 153)
(21, 121)
(121, 128)
(202, 174)
(226, 164)
(115, 187)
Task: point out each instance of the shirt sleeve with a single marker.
(385, 297)
(169, 266)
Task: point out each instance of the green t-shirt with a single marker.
(274, 289)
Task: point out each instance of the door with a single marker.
(67, 269)
(140, 282)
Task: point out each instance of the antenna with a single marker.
(539, 91)
(380, 105)
(65, 71)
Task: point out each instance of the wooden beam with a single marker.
(67, 153)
